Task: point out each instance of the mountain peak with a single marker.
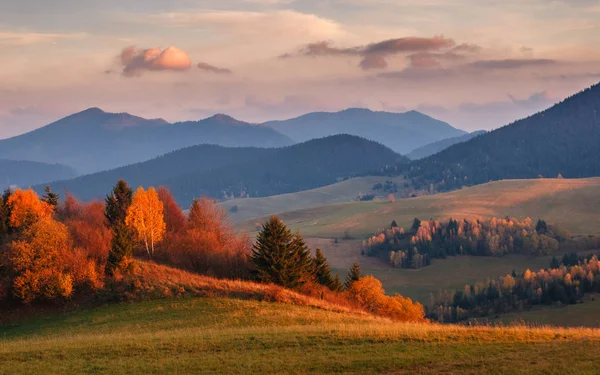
(91, 111)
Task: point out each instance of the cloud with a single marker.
(422, 51)
(409, 44)
(134, 60)
(511, 63)
(213, 69)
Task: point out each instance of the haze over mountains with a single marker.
(435, 147)
(94, 140)
(25, 173)
(564, 139)
(220, 172)
(402, 132)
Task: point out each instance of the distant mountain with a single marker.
(27, 173)
(564, 139)
(217, 171)
(435, 147)
(402, 132)
(95, 140)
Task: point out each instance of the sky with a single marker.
(477, 64)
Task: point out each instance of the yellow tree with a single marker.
(146, 217)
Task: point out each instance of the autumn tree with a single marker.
(369, 294)
(145, 216)
(116, 206)
(174, 218)
(50, 197)
(353, 275)
(26, 208)
(322, 271)
(281, 257)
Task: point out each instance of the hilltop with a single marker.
(402, 132)
(435, 147)
(220, 172)
(94, 140)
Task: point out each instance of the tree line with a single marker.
(416, 246)
(562, 285)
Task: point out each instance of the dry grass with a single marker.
(149, 280)
(568, 203)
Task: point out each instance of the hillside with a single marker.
(401, 132)
(217, 171)
(94, 140)
(232, 336)
(564, 139)
(435, 147)
(26, 173)
(569, 203)
(245, 208)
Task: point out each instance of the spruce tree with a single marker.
(323, 271)
(337, 284)
(280, 257)
(4, 214)
(50, 197)
(353, 275)
(117, 204)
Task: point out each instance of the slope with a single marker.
(401, 132)
(218, 172)
(569, 203)
(564, 139)
(230, 336)
(95, 140)
(435, 147)
(25, 173)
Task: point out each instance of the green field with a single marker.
(584, 314)
(571, 204)
(344, 191)
(226, 336)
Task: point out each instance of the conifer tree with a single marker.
(323, 271)
(117, 204)
(4, 214)
(50, 197)
(353, 275)
(337, 284)
(280, 257)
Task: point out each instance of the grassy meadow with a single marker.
(569, 203)
(344, 191)
(229, 336)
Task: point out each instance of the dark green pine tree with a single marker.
(394, 224)
(353, 275)
(50, 197)
(323, 271)
(117, 204)
(555, 263)
(337, 284)
(280, 257)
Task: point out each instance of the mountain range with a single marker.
(94, 140)
(402, 132)
(220, 172)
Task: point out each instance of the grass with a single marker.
(449, 273)
(228, 336)
(585, 314)
(344, 191)
(569, 203)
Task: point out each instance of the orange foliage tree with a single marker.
(43, 265)
(146, 217)
(369, 294)
(26, 208)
